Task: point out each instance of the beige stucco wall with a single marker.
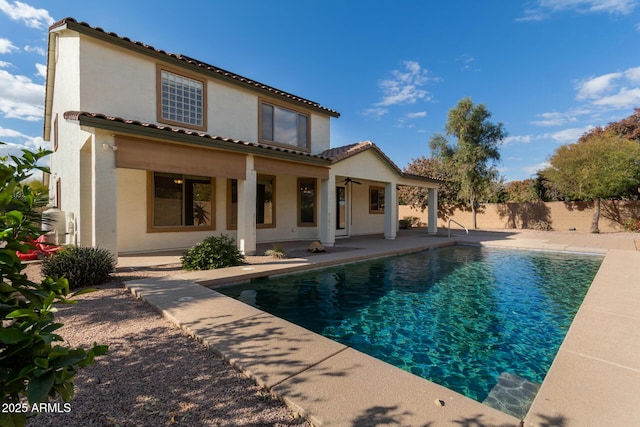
(132, 216)
(99, 77)
(118, 82)
(364, 222)
(66, 161)
(560, 215)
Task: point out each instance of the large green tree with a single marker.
(602, 165)
(472, 159)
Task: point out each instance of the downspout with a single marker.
(51, 77)
(52, 49)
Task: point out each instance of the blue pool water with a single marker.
(458, 316)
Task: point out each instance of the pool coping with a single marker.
(331, 384)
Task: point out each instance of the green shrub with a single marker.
(631, 224)
(213, 252)
(81, 266)
(33, 369)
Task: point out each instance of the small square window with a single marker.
(181, 100)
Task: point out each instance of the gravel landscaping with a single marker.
(154, 374)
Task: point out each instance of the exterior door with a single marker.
(342, 211)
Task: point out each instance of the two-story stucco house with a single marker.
(154, 150)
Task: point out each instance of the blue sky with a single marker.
(548, 69)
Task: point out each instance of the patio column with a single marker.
(390, 211)
(327, 209)
(246, 234)
(432, 214)
(104, 193)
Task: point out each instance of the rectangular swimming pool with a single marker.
(461, 316)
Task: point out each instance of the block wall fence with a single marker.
(561, 216)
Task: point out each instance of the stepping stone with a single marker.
(512, 395)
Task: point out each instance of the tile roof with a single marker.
(96, 118)
(332, 155)
(338, 154)
(83, 27)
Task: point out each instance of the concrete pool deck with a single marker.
(594, 379)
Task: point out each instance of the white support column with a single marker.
(432, 214)
(390, 211)
(247, 210)
(104, 201)
(327, 211)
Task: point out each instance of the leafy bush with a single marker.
(631, 224)
(213, 252)
(81, 266)
(32, 369)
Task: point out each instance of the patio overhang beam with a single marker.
(199, 140)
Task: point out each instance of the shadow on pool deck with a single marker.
(593, 380)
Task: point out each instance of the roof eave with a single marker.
(175, 135)
(182, 61)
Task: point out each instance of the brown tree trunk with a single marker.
(596, 218)
(473, 215)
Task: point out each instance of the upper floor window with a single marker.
(279, 125)
(181, 100)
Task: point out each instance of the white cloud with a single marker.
(42, 70)
(376, 113)
(466, 61)
(624, 98)
(10, 133)
(20, 97)
(6, 46)
(416, 115)
(29, 15)
(551, 119)
(567, 135)
(597, 86)
(613, 90)
(633, 74)
(623, 7)
(37, 49)
(522, 139)
(543, 8)
(534, 169)
(405, 86)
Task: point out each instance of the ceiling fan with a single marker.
(348, 180)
